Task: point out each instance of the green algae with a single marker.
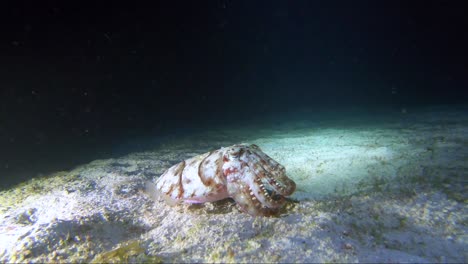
(130, 251)
(36, 186)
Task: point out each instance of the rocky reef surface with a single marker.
(387, 191)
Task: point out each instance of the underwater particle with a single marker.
(348, 246)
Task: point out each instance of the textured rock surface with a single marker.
(387, 191)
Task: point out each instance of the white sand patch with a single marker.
(330, 161)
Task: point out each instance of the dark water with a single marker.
(80, 83)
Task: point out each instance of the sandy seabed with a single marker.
(370, 188)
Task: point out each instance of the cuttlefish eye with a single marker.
(234, 152)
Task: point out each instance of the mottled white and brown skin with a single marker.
(243, 172)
